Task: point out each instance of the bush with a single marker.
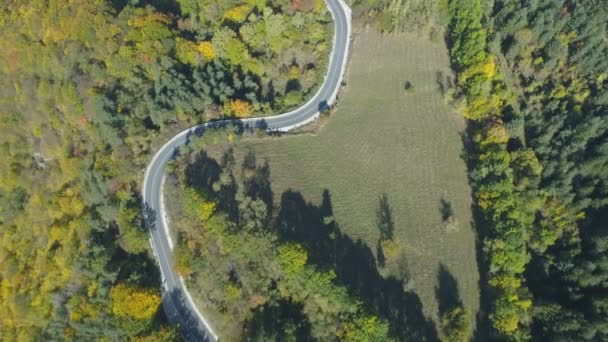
(455, 325)
(408, 86)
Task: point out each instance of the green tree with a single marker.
(455, 325)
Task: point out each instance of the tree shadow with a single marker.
(256, 179)
(202, 172)
(384, 217)
(270, 93)
(354, 264)
(282, 321)
(385, 223)
(118, 5)
(483, 328)
(445, 81)
(447, 293)
(167, 6)
(446, 210)
(261, 124)
(226, 187)
(179, 313)
(136, 268)
(207, 175)
(293, 85)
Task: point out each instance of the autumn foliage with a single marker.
(241, 108)
(87, 88)
(206, 50)
(237, 14)
(501, 203)
(133, 302)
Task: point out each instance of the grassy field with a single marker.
(383, 140)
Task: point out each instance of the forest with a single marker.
(532, 80)
(88, 87)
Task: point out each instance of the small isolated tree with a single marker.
(391, 250)
(408, 86)
(324, 113)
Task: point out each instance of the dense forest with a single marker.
(555, 52)
(87, 88)
(532, 79)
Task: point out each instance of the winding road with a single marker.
(177, 303)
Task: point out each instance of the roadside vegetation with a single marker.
(88, 89)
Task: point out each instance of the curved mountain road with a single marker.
(177, 303)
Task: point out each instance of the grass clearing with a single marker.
(386, 140)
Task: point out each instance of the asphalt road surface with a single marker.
(177, 303)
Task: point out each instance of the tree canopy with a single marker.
(89, 89)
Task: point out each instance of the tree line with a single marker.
(533, 83)
(498, 187)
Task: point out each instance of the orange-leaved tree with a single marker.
(241, 108)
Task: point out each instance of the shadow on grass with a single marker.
(483, 329)
(314, 227)
(202, 172)
(447, 293)
(385, 221)
(207, 175)
(256, 179)
(446, 210)
(354, 264)
(386, 226)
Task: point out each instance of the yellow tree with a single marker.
(237, 14)
(134, 302)
(241, 108)
(206, 50)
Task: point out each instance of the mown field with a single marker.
(383, 140)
